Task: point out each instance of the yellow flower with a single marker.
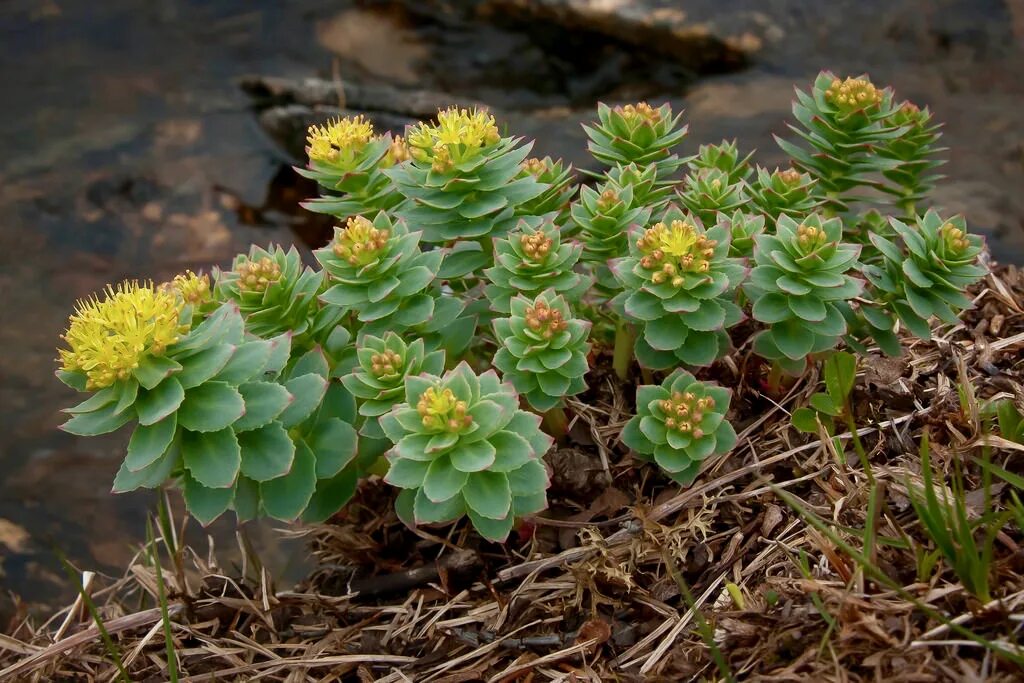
(193, 289)
(359, 242)
(339, 141)
(109, 337)
(670, 250)
(440, 409)
(458, 135)
(853, 94)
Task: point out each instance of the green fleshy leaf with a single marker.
(633, 438)
(248, 361)
(702, 348)
(488, 494)
(442, 480)
(492, 529)
(529, 505)
(709, 317)
(407, 474)
(671, 459)
(666, 333)
(101, 398)
(149, 442)
(335, 444)
(512, 450)
(308, 391)
(313, 361)
(148, 477)
(793, 339)
(267, 452)
(529, 479)
(725, 438)
(488, 417)
(473, 457)
(97, 422)
(247, 499)
(213, 458)
(427, 511)
(75, 380)
(128, 392)
(286, 497)
(331, 495)
(405, 507)
(156, 404)
(771, 308)
(154, 369)
(203, 503)
(210, 407)
(263, 402)
(203, 365)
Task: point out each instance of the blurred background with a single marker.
(143, 138)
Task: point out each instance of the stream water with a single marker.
(128, 151)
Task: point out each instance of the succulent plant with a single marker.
(377, 271)
(637, 133)
(708, 192)
(560, 181)
(464, 180)
(378, 382)
(647, 190)
(786, 191)
(680, 424)
(603, 217)
(725, 157)
(923, 278)
(345, 157)
(530, 260)
(844, 122)
(799, 288)
(914, 151)
(743, 229)
(543, 350)
(276, 293)
(677, 283)
(215, 411)
(463, 446)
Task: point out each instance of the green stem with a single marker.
(556, 423)
(858, 446)
(623, 354)
(909, 208)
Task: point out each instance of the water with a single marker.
(129, 152)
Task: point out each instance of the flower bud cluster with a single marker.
(360, 242)
(440, 410)
(256, 276)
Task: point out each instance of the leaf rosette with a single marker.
(677, 284)
(680, 424)
(532, 259)
(463, 447)
(543, 350)
(800, 289)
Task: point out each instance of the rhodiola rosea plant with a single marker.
(469, 290)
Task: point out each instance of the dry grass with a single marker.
(626, 577)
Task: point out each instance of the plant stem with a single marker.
(851, 424)
(556, 423)
(623, 354)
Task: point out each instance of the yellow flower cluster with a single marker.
(109, 337)
(853, 94)
(256, 276)
(954, 238)
(536, 246)
(810, 238)
(193, 289)
(544, 320)
(684, 410)
(458, 135)
(360, 242)
(340, 141)
(639, 113)
(441, 409)
(674, 249)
